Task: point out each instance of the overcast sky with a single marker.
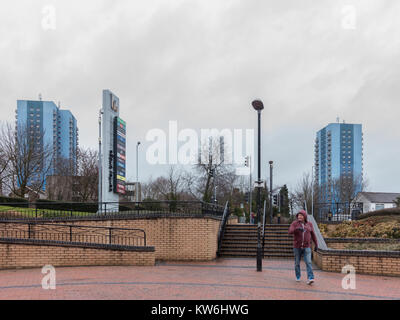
(201, 63)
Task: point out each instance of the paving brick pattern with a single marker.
(220, 279)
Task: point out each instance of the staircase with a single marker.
(240, 241)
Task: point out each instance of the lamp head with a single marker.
(258, 105)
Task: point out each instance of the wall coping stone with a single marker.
(361, 253)
(372, 240)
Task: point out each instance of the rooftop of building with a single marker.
(380, 197)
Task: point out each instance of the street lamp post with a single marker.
(259, 106)
(137, 171)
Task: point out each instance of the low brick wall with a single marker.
(375, 263)
(34, 253)
(385, 263)
(175, 238)
(341, 243)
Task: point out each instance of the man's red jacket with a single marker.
(303, 233)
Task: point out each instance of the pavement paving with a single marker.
(222, 279)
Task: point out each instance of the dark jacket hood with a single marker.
(304, 213)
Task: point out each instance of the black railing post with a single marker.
(110, 234)
(70, 233)
(29, 230)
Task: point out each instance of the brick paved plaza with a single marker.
(220, 279)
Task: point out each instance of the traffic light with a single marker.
(246, 162)
(212, 171)
(247, 197)
(275, 200)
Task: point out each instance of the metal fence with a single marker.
(64, 233)
(337, 211)
(58, 210)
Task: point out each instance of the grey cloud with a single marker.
(202, 63)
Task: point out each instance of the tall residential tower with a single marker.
(338, 162)
(48, 125)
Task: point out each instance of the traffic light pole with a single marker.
(250, 189)
(270, 190)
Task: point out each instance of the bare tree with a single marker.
(345, 188)
(29, 159)
(303, 192)
(4, 162)
(86, 188)
(169, 187)
(211, 171)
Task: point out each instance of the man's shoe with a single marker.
(297, 279)
(310, 281)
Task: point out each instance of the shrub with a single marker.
(380, 213)
(364, 229)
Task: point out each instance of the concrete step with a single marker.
(251, 255)
(254, 245)
(254, 249)
(278, 243)
(254, 236)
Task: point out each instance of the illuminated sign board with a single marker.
(119, 156)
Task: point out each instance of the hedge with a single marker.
(62, 206)
(380, 213)
(16, 202)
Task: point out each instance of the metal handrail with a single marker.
(263, 230)
(222, 226)
(321, 241)
(72, 233)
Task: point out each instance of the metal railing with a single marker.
(73, 210)
(73, 234)
(222, 226)
(263, 229)
(337, 211)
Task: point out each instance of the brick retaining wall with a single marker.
(185, 239)
(385, 263)
(175, 238)
(33, 254)
(376, 263)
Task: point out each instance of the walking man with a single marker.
(303, 233)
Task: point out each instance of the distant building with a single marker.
(130, 194)
(338, 155)
(373, 201)
(72, 188)
(50, 126)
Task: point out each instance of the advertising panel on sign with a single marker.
(107, 191)
(120, 155)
